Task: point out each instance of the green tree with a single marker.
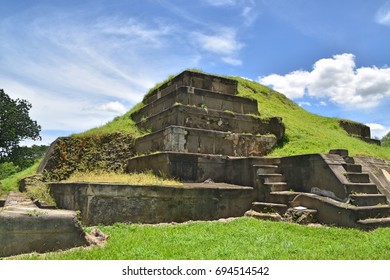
(386, 140)
(15, 125)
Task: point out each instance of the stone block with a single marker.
(25, 229)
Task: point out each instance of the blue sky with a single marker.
(81, 63)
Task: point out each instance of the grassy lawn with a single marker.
(242, 238)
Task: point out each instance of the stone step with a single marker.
(265, 169)
(267, 207)
(349, 160)
(367, 212)
(18, 199)
(276, 186)
(356, 188)
(356, 177)
(352, 167)
(282, 197)
(263, 216)
(370, 224)
(367, 199)
(199, 98)
(203, 118)
(272, 178)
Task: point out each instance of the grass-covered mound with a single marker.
(305, 132)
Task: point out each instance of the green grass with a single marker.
(243, 239)
(146, 178)
(123, 124)
(306, 133)
(11, 183)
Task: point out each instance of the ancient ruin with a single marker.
(214, 141)
(200, 132)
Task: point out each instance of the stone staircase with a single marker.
(365, 208)
(274, 192)
(372, 207)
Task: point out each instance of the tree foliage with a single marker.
(15, 125)
(386, 140)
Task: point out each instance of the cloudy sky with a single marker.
(81, 63)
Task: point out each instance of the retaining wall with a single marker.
(106, 204)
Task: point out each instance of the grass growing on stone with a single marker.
(242, 239)
(146, 178)
(11, 183)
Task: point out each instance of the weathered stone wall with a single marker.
(213, 120)
(190, 140)
(108, 152)
(198, 168)
(110, 203)
(199, 98)
(355, 128)
(323, 173)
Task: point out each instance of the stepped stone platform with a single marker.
(201, 98)
(200, 131)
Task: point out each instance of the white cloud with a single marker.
(378, 130)
(338, 79)
(383, 14)
(323, 103)
(232, 61)
(223, 42)
(221, 2)
(67, 65)
(293, 85)
(304, 103)
(115, 107)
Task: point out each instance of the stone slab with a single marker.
(191, 140)
(200, 98)
(25, 228)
